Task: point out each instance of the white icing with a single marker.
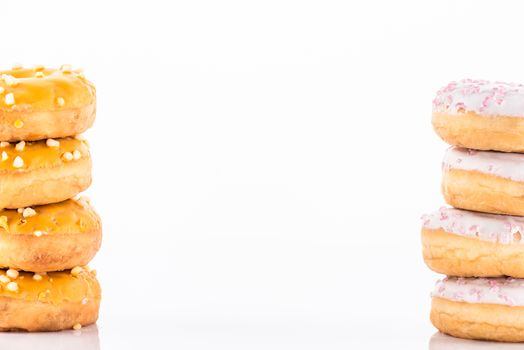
(482, 97)
(503, 290)
(503, 229)
(507, 165)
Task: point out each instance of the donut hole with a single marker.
(517, 236)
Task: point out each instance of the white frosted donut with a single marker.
(465, 243)
(480, 308)
(482, 115)
(491, 182)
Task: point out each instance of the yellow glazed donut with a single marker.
(480, 308)
(481, 115)
(40, 103)
(465, 243)
(491, 182)
(50, 237)
(48, 301)
(42, 172)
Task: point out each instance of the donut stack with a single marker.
(47, 233)
(479, 244)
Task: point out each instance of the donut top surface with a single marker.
(75, 286)
(67, 217)
(489, 227)
(26, 156)
(481, 97)
(40, 88)
(506, 165)
(503, 291)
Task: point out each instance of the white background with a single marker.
(261, 166)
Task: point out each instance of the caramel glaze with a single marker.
(34, 93)
(67, 217)
(54, 287)
(37, 154)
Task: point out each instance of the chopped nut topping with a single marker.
(77, 326)
(12, 286)
(39, 75)
(4, 156)
(3, 223)
(66, 68)
(80, 137)
(9, 99)
(12, 273)
(9, 80)
(67, 156)
(60, 101)
(52, 143)
(4, 144)
(39, 233)
(76, 271)
(76, 154)
(20, 210)
(83, 201)
(18, 123)
(18, 162)
(37, 277)
(4, 279)
(28, 212)
(2, 90)
(20, 146)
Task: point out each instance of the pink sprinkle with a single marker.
(505, 298)
(493, 283)
(485, 103)
(460, 106)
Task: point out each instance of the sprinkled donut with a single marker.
(480, 308)
(43, 172)
(490, 182)
(49, 301)
(51, 237)
(465, 243)
(481, 115)
(40, 103)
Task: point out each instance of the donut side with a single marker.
(45, 185)
(21, 315)
(48, 252)
(478, 321)
(20, 124)
(482, 192)
(471, 130)
(456, 255)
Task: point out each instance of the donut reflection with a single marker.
(440, 341)
(84, 339)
